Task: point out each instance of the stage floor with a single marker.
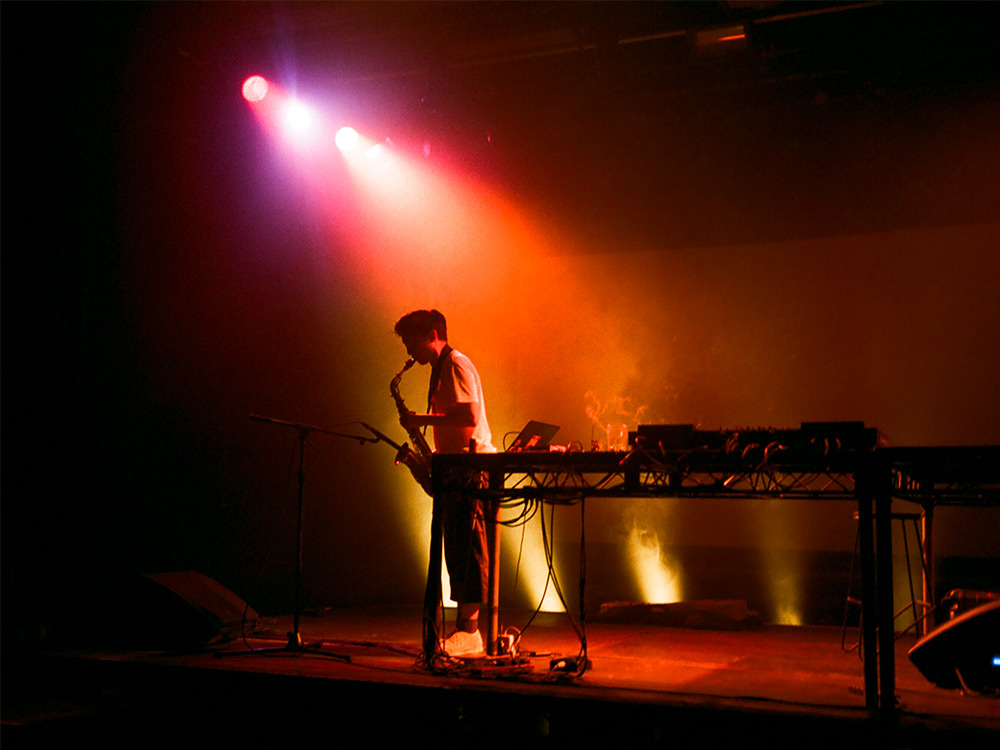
(647, 686)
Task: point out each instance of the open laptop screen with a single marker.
(534, 437)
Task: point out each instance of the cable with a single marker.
(520, 551)
(584, 661)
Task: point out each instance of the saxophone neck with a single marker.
(409, 363)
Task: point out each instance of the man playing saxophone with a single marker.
(456, 414)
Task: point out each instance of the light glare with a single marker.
(297, 118)
(346, 138)
(657, 582)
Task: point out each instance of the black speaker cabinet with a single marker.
(179, 610)
(964, 652)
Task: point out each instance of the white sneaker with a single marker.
(464, 645)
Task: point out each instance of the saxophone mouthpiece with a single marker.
(409, 363)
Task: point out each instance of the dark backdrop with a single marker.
(126, 378)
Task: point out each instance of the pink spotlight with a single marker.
(346, 138)
(254, 88)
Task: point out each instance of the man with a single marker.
(457, 416)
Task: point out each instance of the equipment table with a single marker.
(829, 461)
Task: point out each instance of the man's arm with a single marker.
(460, 416)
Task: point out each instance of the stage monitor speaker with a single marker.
(964, 652)
(178, 610)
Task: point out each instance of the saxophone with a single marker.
(418, 458)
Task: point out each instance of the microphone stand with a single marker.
(295, 643)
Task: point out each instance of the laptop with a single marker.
(534, 437)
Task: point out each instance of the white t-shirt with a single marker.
(460, 384)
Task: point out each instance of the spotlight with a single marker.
(254, 89)
(297, 118)
(346, 138)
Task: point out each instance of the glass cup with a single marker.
(617, 437)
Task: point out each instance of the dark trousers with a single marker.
(465, 547)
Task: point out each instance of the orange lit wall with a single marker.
(757, 335)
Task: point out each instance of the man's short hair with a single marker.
(421, 323)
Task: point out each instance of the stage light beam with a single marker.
(659, 584)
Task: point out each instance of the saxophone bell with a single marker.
(405, 455)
